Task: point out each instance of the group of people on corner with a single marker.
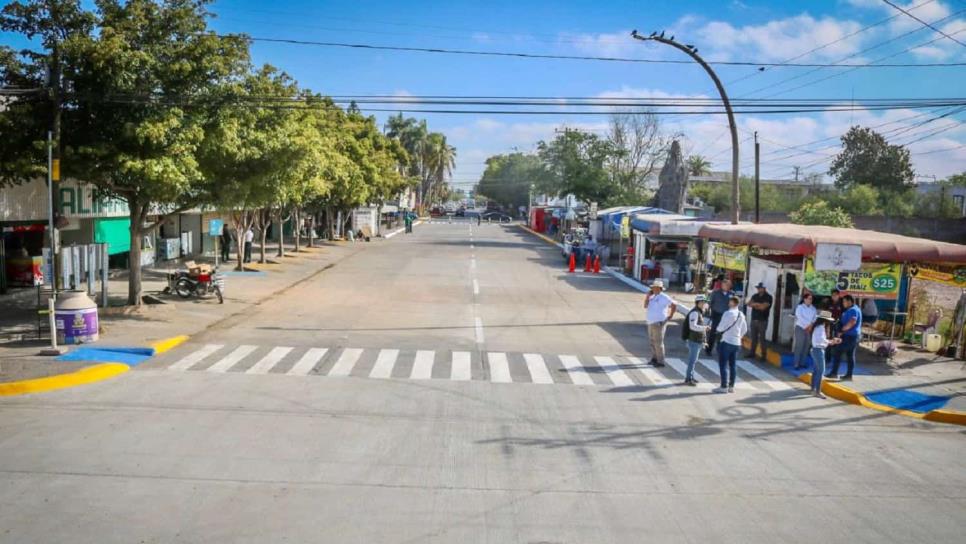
(225, 244)
(718, 319)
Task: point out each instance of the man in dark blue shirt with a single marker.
(719, 305)
(849, 327)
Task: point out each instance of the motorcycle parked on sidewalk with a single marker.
(187, 283)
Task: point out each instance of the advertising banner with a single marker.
(873, 280)
(954, 275)
(728, 256)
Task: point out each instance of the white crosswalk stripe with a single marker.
(384, 363)
(269, 361)
(763, 377)
(499, 367)
(614, 372)
(576, 370)
(713, 367)
(423, 365)
(650, 373)
(537, 368)
(348, 359)
(462, 368)
(681, 368)
(231, 359)
(303, 366)
(195, 357)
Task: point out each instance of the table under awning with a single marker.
(803, 239)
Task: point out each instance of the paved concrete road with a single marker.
(454, 385)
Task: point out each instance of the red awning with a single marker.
(802, 239)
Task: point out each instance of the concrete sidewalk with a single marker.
(130, 326)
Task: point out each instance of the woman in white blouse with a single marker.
(820, 341)
(804, 318)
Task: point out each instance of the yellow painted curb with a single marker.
(162, 346)
(83, 376)
(543, 237)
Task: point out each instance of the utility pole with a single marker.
(53, 156)
(757, 180)
(692, 52)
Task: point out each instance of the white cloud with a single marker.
(614, 44)
(937, 13)
(780, 39)
(631, 92)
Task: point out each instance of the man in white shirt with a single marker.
(732, 328)
(249, 236)
(660, 307)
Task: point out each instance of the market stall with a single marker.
(789, 258)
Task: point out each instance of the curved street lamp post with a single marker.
(692, 52)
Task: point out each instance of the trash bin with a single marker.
(75, 316)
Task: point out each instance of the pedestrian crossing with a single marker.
(494, 367)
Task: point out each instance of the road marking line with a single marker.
(231, 359)
(499, 368)
(538, 368)
(269, 361)
(346, 361)
(479, 330)
(652, 375)
(614, 372)
(476, 287)
(714, 370)
(307, 362)
(460, 370)
(681, 368)
(473, 263)
(384, 363)
(195, 357)
(423, 365)
(763, 376)
(576, 370)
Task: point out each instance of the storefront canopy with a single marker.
(611, 218)
(651, 222)
(802, 240)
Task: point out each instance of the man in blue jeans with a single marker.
(849, 326)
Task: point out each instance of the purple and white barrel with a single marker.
(75, 316)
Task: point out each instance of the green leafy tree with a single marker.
(957, 180)
(507, 178)
(576, 163)
(698, 165)
(868, 159)
(820, 213)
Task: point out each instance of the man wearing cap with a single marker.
(660, 308)
(760, 304)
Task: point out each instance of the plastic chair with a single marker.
(932, 319)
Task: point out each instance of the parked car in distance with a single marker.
(497, 217)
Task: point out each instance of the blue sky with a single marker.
(723, 30)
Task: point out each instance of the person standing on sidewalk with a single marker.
(719, 305)
(660, 308)
(820, 342)
(732, 328)
(695, 329)
(760, 311)
(249, 237)
(225, 243)
(805, 314)
(849, 326)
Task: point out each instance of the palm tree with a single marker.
(698, 165)
(439, 159)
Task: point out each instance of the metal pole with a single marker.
(757, 180)
(693, 53)
(50, 211)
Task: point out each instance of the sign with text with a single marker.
(625, 227)
(954, 275)
(728, 256)
(840, 257)
(215, 227)
(873, 280)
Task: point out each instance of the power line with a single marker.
(924, 23)
(576, 57)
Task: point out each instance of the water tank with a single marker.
(75, 316)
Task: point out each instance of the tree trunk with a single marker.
(312, 229)
(264, 238)
(281, 234)
(238, 220)
(297, 222)
(134, 256)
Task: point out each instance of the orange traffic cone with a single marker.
(573, 263)
(587, 264)
(597, 264)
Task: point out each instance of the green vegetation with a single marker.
(821, 213)
(152, 107)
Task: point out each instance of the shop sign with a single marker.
(728, 256)
(593, 210)
(838, 256)
(87, 201)
(625, 227)
(873, 280)
(954, 275)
